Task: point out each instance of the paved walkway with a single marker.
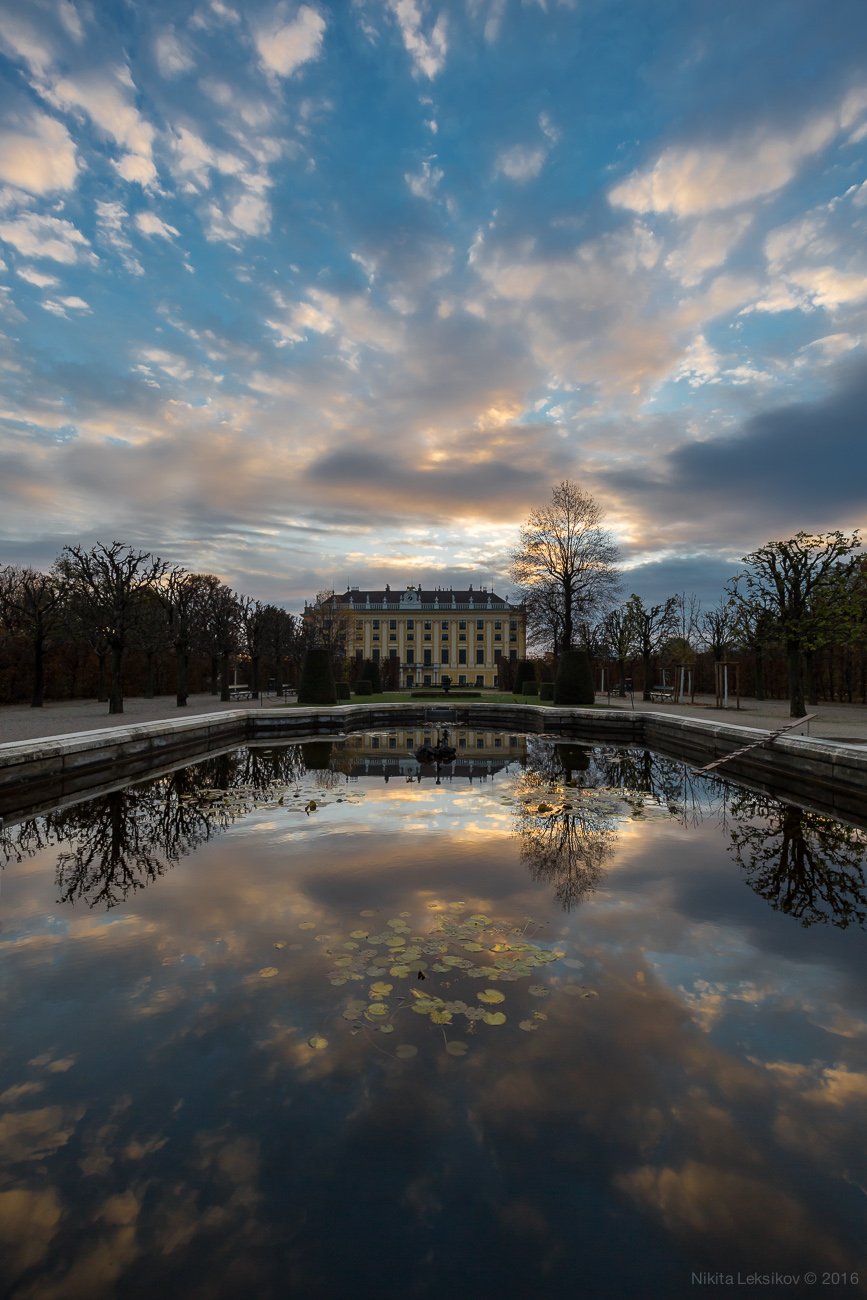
(18, 722)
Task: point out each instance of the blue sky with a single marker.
(308, 295)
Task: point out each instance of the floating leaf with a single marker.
(280, 944)
(395, 941)
(456, 1048)
(405, 1051)
(458, 963)
(380, 989)
(358, 934)
(491, 995)
(367, 912)
(343, 961)
(351, 945)
(529, 1026)
(470, 946)
(441, 1017)
(268, 972)
(399, 972)
(317, 1042)
(377, 1009)
(540, 1015)
(494, 1018)
(309, 925)
(397, 924)
(385, 1029)
(425, 1006)
(479, 919)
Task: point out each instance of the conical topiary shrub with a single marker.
(317, 678)
(525, 671)
(574, 684)
(370, 672)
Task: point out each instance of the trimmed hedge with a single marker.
(525, 671)
(370, 673)
(546, 690)
(530, 687)
(574, 684)
(438, 695)
(363, 687)
(342, 690)
(317, 678)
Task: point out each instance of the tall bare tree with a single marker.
(804, 582)
(106, 582)
(30, 607)
(566, 560)
(652, 626)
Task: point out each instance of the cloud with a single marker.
(37, 154)
(428, 53)
(690, 180)
(111, 218)
(172, 57)
(521, 163)
(45, 237)
(63, 306)
(424, 183)
(150, 224)
(706, 247)
(285, 46)
(37, 278)
(108, 100)
(194, 159)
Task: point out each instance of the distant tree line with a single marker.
(110, 618)
(794, 619)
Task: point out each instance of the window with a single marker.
(480, 656)
(410, 636)
(498, 623)
(427, 636)
(376, 636)
(374, 742)
(498, 742)
(376, 625)
(463, 625)
(392, 742)
(410, 625)
(498, 654)
(444, 654)
(427, 679)
(462, 681)
(392, 623)
(445, 625)
(359, 625)
(513, 625)
(462, 636)
(480, 636)
(427, 625)
(427, 656)
(480, 623)
(498, 636)
(462, 656)
(513, 655)
(392, 636)
(512, 636)
(375, 654)
(359, 655)
(480, 743)
(410, 656)
(392, 654)
(445, 637)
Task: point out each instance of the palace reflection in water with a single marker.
(223, 1074)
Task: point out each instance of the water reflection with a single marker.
(805, 864)
(570, 801)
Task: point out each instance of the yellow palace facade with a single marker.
(463, 634)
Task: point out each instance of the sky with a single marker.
(310, 295)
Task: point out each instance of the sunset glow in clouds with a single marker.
(313, 294)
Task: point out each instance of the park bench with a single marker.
(662, 694)
(240, 693)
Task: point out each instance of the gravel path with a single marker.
(18, 722)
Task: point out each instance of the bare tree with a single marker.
(804, 584)
(651, 627)
(567, 560)
(619, 636)
(107, 583)
(30, 607)
(718, 626)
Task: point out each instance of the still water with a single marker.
(316, 1022)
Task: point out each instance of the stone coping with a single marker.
(31, 771)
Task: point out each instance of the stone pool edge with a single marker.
(77, 761)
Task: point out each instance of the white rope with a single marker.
(765, 740)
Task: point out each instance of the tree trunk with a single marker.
(224, 678)
(115, 700)
(254, 677)
(810, 691)
(645, 659)
(38, 673)
(278, 676)
(215, 690)
(797, 707)
(182, 660)
(760, 673)
(101, 692)
(150, 655)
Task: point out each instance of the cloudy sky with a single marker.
(329, 293)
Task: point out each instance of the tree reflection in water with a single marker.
(563, 840)
(803, 863)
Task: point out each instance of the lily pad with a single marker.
(405, 1051)
(307, 925)
(380, 989)
(268, 972)
(317, 1042)
(280, 944)
(491, 995)
(439, 1017)
(529, 1026)
(539, 991)
(457, 1048)
(494, 1018)
(376, 1009)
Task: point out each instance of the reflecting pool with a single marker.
(318, 1021)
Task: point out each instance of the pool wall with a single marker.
(34, 774)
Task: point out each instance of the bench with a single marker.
(662, 694)
(240, 693)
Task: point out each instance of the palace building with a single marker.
(462, 634)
